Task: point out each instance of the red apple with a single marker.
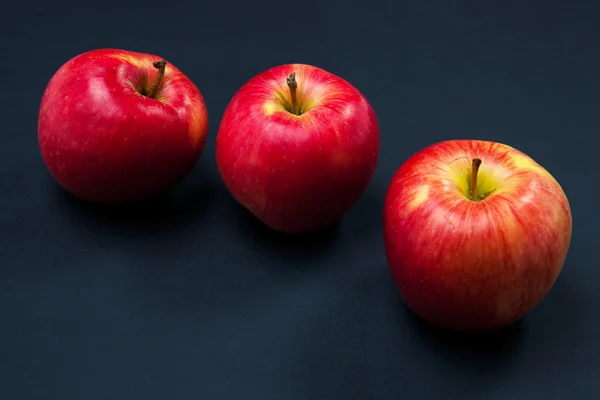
(119, 126)
(474, 263)
(297, 147)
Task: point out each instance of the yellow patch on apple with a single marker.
(419, 197)
(197, 128)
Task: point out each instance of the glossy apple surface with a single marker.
(474, 265)
(297, 163)
(111, 130)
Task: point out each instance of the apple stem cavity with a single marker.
(474, 170)
(292, 84)
(160, 65)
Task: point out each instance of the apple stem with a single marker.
(291, 82)
(160, 65)
(474, 170)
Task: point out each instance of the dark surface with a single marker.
(188, 297)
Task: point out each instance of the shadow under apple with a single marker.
(181, 204)
(294, 250)
(469, 349)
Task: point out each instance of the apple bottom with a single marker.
(309, 221)
(118, 179)
(461, 315)
(473, 297)
(300, 209)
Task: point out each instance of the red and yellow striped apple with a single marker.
(117, 126)
(475, 233)
(297, 147)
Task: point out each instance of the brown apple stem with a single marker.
(474, 170)
(291, 82)
(160, 65)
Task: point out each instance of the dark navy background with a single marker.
(189, 297)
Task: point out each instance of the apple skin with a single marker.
(297, 173)
(474, 266)
(103, 141)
